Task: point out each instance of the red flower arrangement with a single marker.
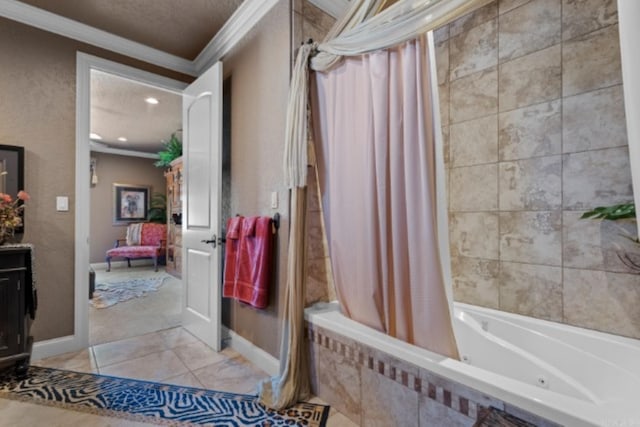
(10, 217)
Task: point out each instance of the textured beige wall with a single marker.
(38, 88)
(259, 69)
(122, 170)
(532, 108)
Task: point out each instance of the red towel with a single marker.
(232, 245)
(254, 262)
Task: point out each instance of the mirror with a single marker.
(12, 174)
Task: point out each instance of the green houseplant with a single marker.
(158, 208)
(172, 150)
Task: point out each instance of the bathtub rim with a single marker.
(544, 403)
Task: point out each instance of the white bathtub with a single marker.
(573, 376)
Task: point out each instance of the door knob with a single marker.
(215, 241)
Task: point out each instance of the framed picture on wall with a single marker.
(130, 202)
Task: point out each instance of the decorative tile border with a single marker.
(460, 404)
(474, 408)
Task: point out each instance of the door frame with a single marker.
(84, 64)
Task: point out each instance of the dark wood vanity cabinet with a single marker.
(17, 307)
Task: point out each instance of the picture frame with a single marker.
(130, 203)
(12, 175)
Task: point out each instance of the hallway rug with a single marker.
(151, 402)
(107, 294)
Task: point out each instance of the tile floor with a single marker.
(154, 312)
(171, 356)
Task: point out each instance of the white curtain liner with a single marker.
(361, 31)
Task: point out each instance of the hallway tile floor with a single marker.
(171, 356)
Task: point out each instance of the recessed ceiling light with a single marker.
(94, 136)
(152, 100)
(122, 139)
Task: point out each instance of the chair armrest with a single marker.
(117, 245)
(163, 243)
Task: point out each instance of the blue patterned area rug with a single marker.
(150, 402)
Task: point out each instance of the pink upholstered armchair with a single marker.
(144, 240)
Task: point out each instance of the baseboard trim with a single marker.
(252, 352)
(121, 264)
(54, 347)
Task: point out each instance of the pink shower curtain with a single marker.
(374, 138)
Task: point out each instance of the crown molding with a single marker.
(335, 8)
(101, 148)
(241, 22)
(44, 20)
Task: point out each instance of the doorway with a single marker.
(88, 245)
(130, 123)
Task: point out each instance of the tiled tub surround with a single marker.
(534, 127)
(589, 378)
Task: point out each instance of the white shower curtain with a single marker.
(374, 137)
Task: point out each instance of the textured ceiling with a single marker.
(119, 109)
(179, 27)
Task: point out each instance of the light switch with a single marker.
(274, 200)
(62, 203)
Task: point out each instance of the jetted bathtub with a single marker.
(570, 375)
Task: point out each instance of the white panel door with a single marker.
(202, 155)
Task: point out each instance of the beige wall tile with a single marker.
(475, 234)
(444, 97)
(621, 252)
(603, 301)
(317, 17)
(591, 61)
(474, 96)
(598, 245)
(446, 144)
(531, 237)
(580, 17)
(296, 33)
(474, 50)
(474, 188)
(596, 178)
(531, 290)
(441, 34)
(594, 120)
(475, 281)
(474, 142)
(530, 79)
(582, 244)
(387, 402)
(531, 131)
(338, 381)
(316, 288)
(532, 184)
(433, 413)
(315, 238)
(473, 19)
(442, 62)
(531, 27)
(505, 6)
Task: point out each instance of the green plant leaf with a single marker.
(615, 212)
(158, 208)
(172, 150)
